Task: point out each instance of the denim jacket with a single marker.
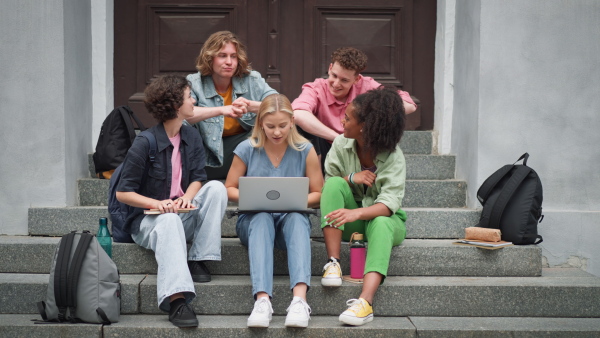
(158, 180)
(252, 87)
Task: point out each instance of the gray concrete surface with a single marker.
(435, 257)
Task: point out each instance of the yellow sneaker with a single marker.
(359, 312)
(333, 274)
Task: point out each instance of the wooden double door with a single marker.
(288, 41)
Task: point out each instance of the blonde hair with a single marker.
(211, 48)
(270, 105)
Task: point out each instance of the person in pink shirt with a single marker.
(321, 105)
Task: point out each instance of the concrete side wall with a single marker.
(465, 122)
(536, 91)
(45, 89)
(444, 76)
(32, 96)
(102, 64)
(78, 93)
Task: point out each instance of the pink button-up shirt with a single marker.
(316, 98)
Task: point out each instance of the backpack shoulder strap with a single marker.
(60, 274)
(137, 121)
(537, 237)
(126, 115)
(153, 145)
(75, 270)
(486, 188)
(488, 185)
(507, 192)
(103, 315)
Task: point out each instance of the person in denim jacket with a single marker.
(227, 93)
(172, 182)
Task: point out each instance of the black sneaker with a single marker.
(199, 271)
(183, 316)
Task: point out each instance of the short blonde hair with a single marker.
(211, 48)
(272, 104)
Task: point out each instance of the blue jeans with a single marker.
(261, 232)
(166, 235)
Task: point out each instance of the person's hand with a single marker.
(182, 203)
(235, 111)
(340, 217)
(166, 206)
(242, 105)
(364, 177)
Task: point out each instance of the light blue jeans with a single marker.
(261, 232)
(167, 234)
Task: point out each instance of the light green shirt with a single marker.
(391, 173)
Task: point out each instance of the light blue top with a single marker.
(293, 163)
(252, 87)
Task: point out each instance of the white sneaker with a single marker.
(261, 314)
(332, 275)
(298, 313)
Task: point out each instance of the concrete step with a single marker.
(434, 223)
(22, 254)
(566, 293)
(413, 142)
(20, 292)
(418, 194)
(145, 326)
(427, 167)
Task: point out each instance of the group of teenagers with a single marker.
(225, 122)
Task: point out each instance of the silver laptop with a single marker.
(273, 193)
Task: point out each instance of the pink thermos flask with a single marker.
(357, 256)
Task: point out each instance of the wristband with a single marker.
(350, 177)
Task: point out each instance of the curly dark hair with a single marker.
(382, 112)
(164, 96)
(350, 58)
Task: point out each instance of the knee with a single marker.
(166, 223)
(260, 221)
(297, 217)
(380, 226)
(296, 221)
(215, 189)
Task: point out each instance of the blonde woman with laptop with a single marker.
(275, 149)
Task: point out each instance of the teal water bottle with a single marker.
(103, 237)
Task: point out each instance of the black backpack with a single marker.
(512, 202)
(116, 137)
(118, 211)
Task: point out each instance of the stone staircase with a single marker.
(434, 288)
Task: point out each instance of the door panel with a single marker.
(289, 42)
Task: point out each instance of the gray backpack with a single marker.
(84, 283)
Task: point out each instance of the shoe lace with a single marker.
(333, 264)
(355, 305)
(262, 305)
(183, 309)
(298, 306)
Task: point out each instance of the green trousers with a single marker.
(382, 232)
